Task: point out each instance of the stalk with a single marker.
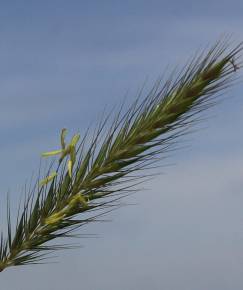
(87, 181)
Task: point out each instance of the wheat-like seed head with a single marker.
(86, 181)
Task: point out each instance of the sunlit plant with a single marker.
(87, 181)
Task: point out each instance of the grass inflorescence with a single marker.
(87, 180)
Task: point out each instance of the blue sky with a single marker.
(61, 62)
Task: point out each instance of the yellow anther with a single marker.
(66, 150)
(48, 179)
(51, 153)
(70, 168)
(75, 140)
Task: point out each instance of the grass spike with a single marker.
(92, 181)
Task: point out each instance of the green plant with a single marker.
(87, 180)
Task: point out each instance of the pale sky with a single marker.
(61, 63)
